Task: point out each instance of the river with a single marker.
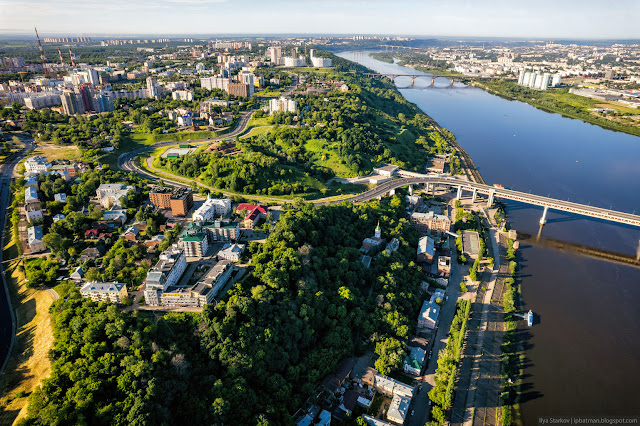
(583, 358)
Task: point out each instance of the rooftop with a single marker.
(106, 287)
(111, 187)
(398, 408)
(430, 311)
(470, 243)
(426, 245)
(176, 193)
(34, 233)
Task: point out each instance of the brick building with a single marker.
(179, 200)
(240, 90)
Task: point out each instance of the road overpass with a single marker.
(491, 192)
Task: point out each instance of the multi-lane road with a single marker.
(7, 320)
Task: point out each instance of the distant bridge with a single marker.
(433, 77)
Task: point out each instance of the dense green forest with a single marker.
(254, 358)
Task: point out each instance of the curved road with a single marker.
(125, 162)
(241, 126)
(7, 320)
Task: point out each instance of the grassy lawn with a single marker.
(29, 362)
(584, 102)
(326, 157)
(57, 152)
(258, 122)
(256, 131)
(269, 93)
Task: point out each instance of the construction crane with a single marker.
(73, 64)
(42, 57)
(60, 54)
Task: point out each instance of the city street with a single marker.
(420, 403)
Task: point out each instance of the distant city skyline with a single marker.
(453, 18)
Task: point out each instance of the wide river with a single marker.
(583, 358)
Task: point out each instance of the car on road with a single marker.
(413, 411)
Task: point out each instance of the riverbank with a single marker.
(567, 104)
(525, 148)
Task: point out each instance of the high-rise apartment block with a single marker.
(537, 80)
(165, 273)
(240, 90)
(293, 61)
(211, 83)
(319, 62)
(275, 53)
(154, 89)
(282, 105)
(72, 103)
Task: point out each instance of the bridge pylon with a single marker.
(543, 219)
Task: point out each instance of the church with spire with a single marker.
(375, 244)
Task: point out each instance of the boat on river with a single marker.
(529, 317)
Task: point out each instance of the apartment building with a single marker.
(179, 200)
(104, 291)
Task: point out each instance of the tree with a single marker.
(473, 273)
(53, 240)
(92, 275)
(391, 355)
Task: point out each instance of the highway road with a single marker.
(7, 320)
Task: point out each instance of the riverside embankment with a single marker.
(581, 359)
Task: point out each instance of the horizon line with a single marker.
(17, 33)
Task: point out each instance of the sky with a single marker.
(538, 19)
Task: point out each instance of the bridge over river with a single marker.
(491, 192)
(452, 78)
